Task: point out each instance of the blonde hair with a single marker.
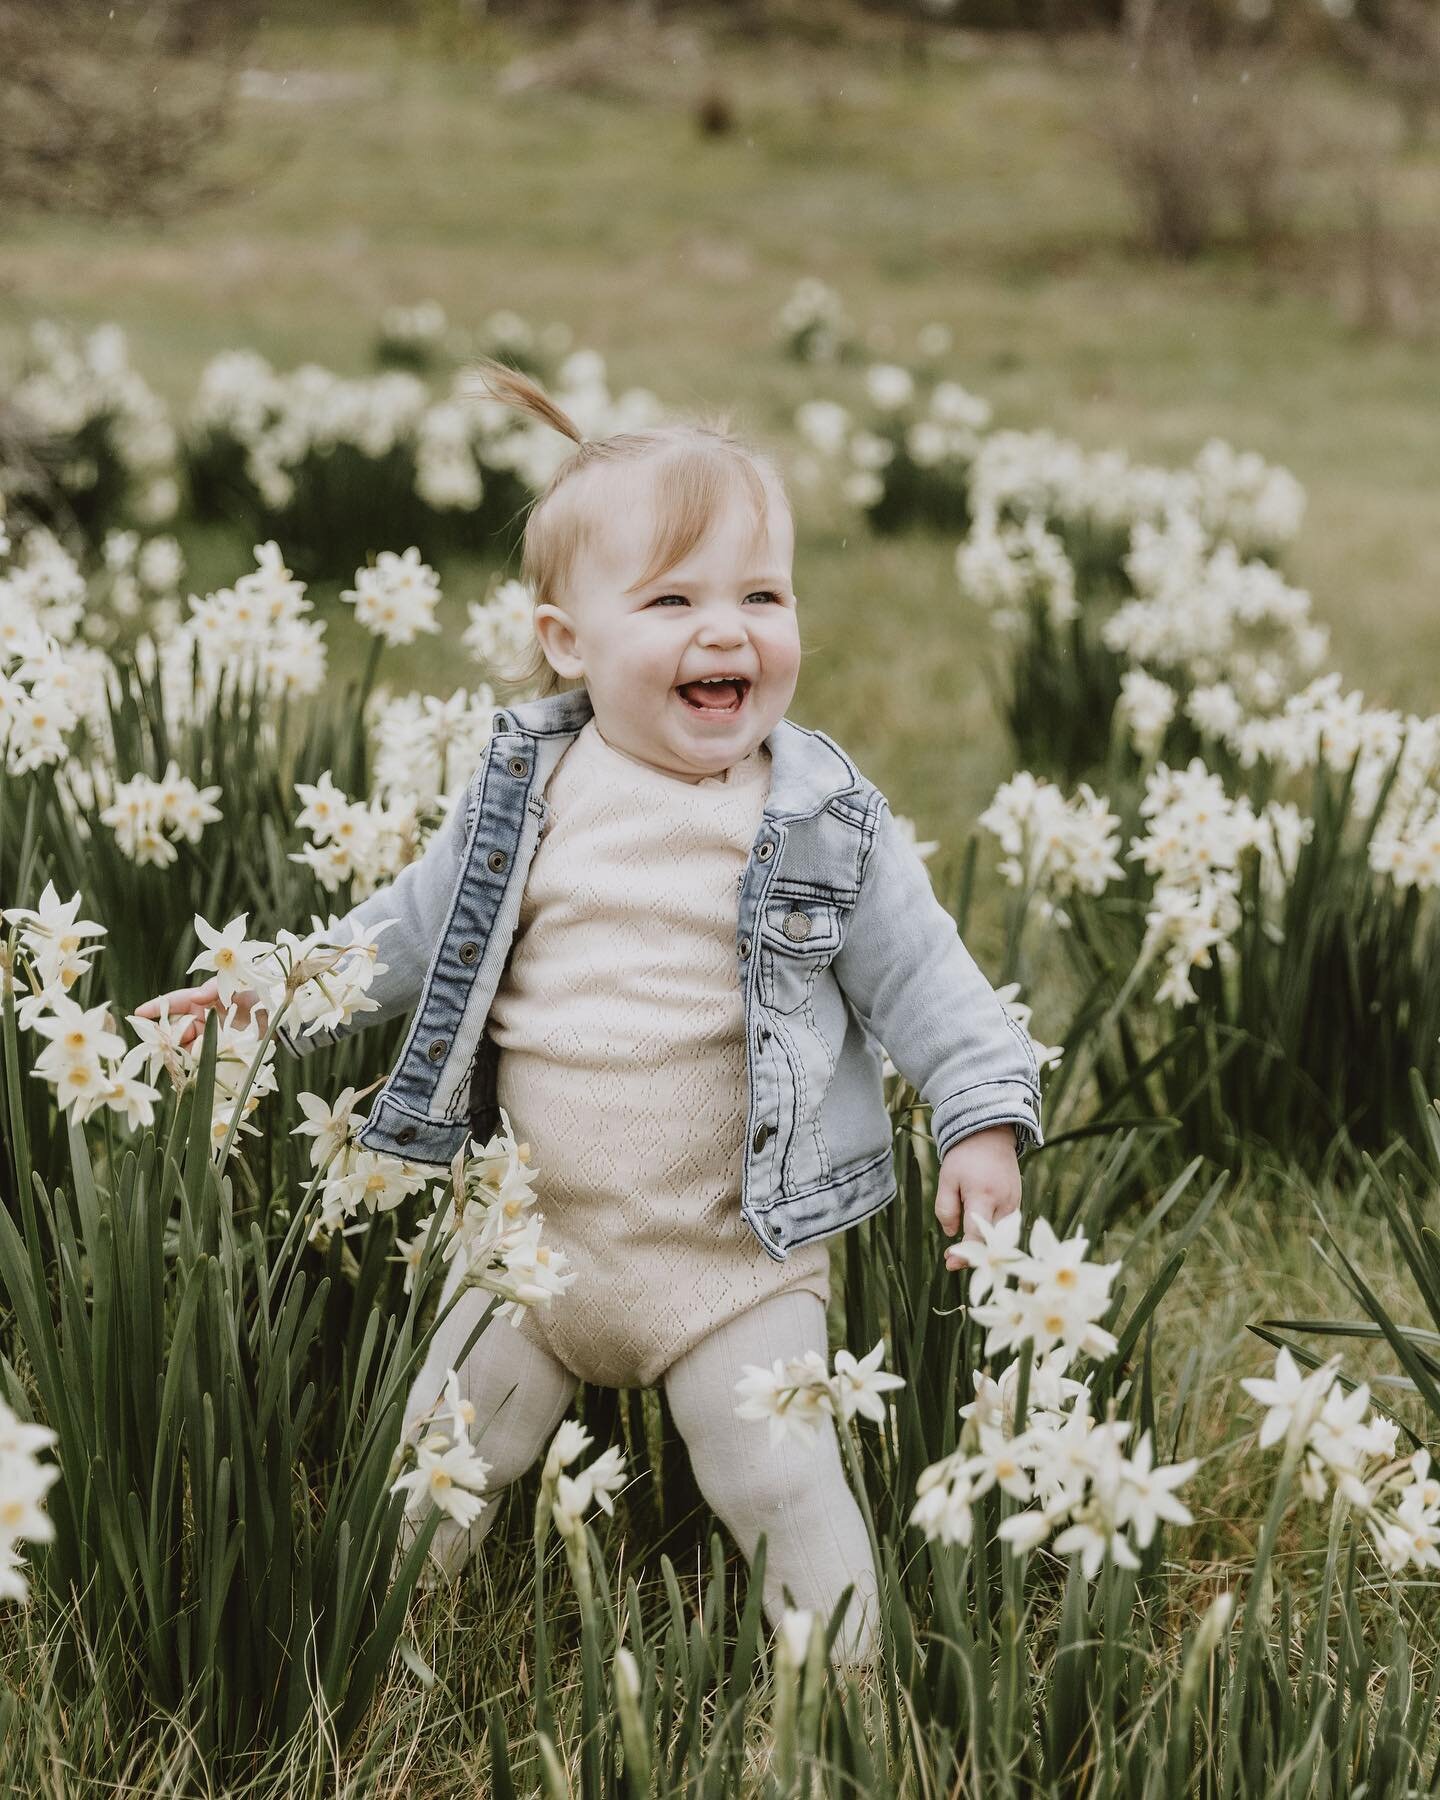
(698, 464)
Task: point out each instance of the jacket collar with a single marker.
(807, 769)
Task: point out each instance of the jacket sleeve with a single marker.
(418, 900)
(905, 970)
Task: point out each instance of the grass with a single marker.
(426, 1730)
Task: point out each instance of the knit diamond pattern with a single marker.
(620, 1028)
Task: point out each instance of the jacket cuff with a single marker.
(987, 1103)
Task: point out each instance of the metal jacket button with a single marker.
(764, 852)
(469, 950)
(496, 860)
(405, 1135)
(744, 946)
(796, 926)
(438, 1047)
(518, 766)
(761, 1138)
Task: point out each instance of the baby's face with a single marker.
(727, 610)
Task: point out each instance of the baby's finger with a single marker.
(178, 1000)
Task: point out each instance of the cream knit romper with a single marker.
(620, 1030)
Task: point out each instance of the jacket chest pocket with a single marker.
(800, 935)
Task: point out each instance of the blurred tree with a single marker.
(106, 108)
(1397, 42)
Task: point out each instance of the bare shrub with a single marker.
(105, 109)
(1209, 141)
(1387, 279)
(1397, 44)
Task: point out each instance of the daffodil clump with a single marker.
(51, 679)
(911, 461)
(320, 977)
(1202, 833)
(487, 1205)
(422, 336)
(1070, 1472)
(447, 1473)
(495, 1229)
(24, 1481)
(567, 1498)
(926, 454)
(796, 1394)
(268, 436)
(112, 440)
(812, 326)
(413, 337)
(1339, 1440)
(85, 1059)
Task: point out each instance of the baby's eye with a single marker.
(660, 599)
(766, 594)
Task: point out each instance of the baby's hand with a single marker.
(982, 1173)
(197, 1002)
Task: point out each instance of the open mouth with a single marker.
(719, 699)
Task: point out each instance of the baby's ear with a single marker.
(556, 633)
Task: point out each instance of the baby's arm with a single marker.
(907, 973)
(418, 900)
(905, 970)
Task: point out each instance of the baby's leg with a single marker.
(796, 1493)
(520, 1393)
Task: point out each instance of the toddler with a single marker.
(697, 924)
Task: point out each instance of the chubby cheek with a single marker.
(780, 656)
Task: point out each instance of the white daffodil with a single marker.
(570, 1440)
(458, 1406)
(858, 1385)
(595, 1485)
(330, 1123)
(54, 921)
(231, 956)
(78, 1033)
(450, 1475)
(793, 1395)
(992, 1255)
(1288, 1392)
(1148, 1495)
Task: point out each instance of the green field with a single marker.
(969, 189)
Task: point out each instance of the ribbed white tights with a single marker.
(796, 1493)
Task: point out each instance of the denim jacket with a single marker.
(841, 946)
